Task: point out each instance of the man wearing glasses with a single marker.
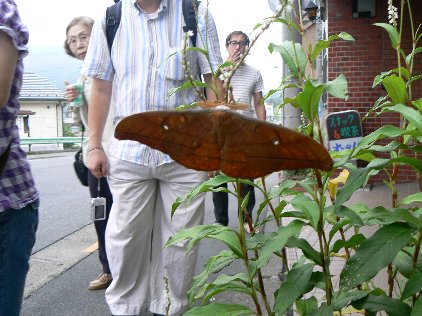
(247, 87)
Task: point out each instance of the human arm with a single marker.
(99, 105)
(8, 60)
(260, 111)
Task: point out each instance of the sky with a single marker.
(47, 21)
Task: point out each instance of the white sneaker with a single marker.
(101, 282)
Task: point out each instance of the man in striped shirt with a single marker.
(247, 87)
(139, 74)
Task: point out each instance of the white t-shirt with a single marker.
(246, 81)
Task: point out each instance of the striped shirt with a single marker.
(143, 74)
(17, 187)
(245, 82)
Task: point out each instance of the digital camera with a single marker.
(98, 208)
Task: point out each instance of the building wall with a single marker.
(46, 122)
(362, 60)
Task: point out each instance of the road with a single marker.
(64, 201)
(64, 259)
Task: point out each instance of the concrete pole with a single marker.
(290, 114)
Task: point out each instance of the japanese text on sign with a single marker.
(344, 130)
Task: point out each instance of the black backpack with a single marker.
(114, 13)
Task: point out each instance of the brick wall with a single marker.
(362, 60)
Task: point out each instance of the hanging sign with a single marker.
(344, 130)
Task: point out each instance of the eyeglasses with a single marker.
(82, 38)
(236, 43)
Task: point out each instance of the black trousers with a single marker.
(100, 225)
(221, 203)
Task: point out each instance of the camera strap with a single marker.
(98, 187)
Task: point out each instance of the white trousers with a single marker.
(147, 276)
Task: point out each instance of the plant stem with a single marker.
(278, 223)
(323, 242)
(245, 249)
(262, 287)
(390, 280)
(415, 259)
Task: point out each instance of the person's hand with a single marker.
(70, 91)
(97, 162)
(234, 57)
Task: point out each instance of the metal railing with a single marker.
(49, 140)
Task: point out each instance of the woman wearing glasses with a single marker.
(78, 34)
(247, 85)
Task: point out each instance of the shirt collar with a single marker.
(163, 6)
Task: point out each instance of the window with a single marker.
(363, 8)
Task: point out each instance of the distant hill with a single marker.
(52, 63)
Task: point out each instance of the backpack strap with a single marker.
(189, 14)
(113, 15)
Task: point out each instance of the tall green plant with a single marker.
(394, 248)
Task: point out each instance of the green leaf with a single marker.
(307, 249)
(418, 104)
(288, 22)
(338, 87)
(220, 309)
(404, 262)
(293, 287)
(275, 244)
(344, 211)
(309, 98)
(381, 216)
(413, 54)
(405, 160)
(357, 179)
(197, 49)
(392, 33)
(336, 227)
(205, 186)
(323, 44)
(228, 287)
(307, 306)
(417, 197)
(237, 283)
(374, 303)
(342, 299)
(396, 89)
(381, 133)
(186, 85)
(417, 308)
(214, 264)
(224, 279)
(410, 114)
(199, 232)
(293, 56)
(231, 239)
(413, 286)
(374, 254)
(354, 241)
(309, 207)
(324, 310)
